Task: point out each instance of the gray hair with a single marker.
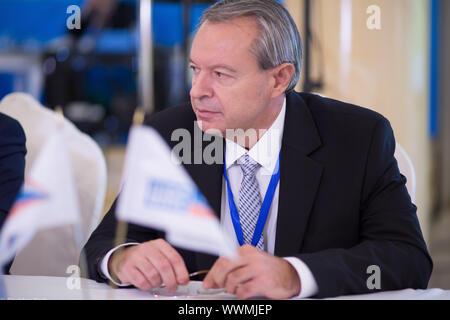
(279, 41)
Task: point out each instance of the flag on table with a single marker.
(158, 193)
(47, 199)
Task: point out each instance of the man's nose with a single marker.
(201, 87)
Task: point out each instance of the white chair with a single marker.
(406, 168)
(51, 251)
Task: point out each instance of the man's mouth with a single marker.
(206, 113)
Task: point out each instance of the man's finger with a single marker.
(217, 275)
(137, 279)
(248, 289)
(177, 262)
(164, 267)
(149, 271)
(237, 277)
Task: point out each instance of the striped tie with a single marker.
(249, 200)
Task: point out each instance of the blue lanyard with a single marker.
(264, 207)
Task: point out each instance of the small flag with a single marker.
(47, 199)
(158, 193)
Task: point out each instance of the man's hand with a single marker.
(255, 273)
(149, 265)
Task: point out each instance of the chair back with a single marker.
(52, 251)
(406, 168)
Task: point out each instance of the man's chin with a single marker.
(210, 128)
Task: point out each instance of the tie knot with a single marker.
(248, 165)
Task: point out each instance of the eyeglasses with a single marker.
(198, 273)
(194, 289)
(191, 275)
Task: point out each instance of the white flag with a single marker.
(47, 199)
(158, 193)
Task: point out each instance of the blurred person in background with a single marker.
(99, 11)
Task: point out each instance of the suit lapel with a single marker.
(299, 176)
(208, 179)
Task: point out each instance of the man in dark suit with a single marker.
(12, 163)
(339, 208)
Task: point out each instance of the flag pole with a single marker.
(122, 226)
(145, 88)
(78, 232)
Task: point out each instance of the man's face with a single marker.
(229, 90)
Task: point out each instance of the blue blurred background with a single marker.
(92, 72)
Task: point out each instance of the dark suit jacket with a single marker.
(12, 163)
(343, 205)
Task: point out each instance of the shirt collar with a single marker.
(265, 151)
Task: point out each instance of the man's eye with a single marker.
(220, 74)
(194, 68)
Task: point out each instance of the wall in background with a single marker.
(444, 114)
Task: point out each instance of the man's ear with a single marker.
(282, 75)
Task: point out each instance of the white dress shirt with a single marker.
(265, 152)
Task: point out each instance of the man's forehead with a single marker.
(241, 26)
(221, 41)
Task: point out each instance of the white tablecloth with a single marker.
(61, 288)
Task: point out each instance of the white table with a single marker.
(61, 288)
